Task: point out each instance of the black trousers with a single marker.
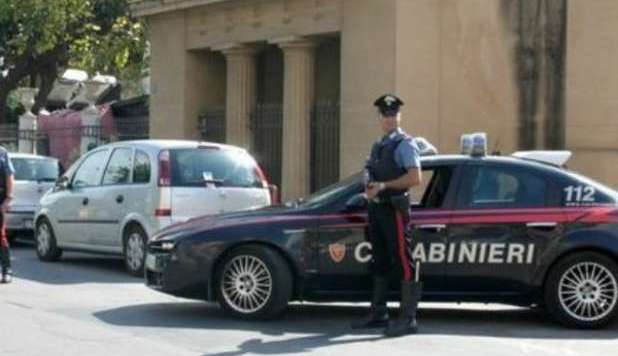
(391, 241)
(5, 256)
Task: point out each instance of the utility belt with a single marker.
(399, 202)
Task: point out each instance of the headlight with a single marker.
(167, 246)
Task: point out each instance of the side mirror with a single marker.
(63, 183)
(357, 202)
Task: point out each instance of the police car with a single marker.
(518, 229)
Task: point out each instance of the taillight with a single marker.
(165, 169)
(163, 212)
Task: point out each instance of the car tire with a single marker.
(134, 250)
(254, 283)
(581, 290)
(45, 243)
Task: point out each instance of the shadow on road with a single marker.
(73, 268)
(325, 323)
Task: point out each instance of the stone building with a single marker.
(293, 80)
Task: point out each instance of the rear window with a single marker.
(35, 169)
(501, 187)
(190, 168)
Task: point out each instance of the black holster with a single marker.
(401, 203)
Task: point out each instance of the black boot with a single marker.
(5, 262)
(378, 314)
(7, 275)
(406, 322)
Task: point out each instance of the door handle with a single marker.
(85, 201)
(119, 199)
(431, 227)
(542, 224)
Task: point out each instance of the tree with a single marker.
(38, 38)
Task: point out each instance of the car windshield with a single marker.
(36, 169)
(329, 193)
(227, 168)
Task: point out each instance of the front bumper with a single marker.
(171, 272)
(20, 221)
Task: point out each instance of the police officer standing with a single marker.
(392, 169)
(6, 195)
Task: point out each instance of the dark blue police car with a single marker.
(520, 230)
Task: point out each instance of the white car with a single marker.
(118, 195)
(34, 175)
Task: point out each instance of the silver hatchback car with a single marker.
(34, 175)
(118, 195)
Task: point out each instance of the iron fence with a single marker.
(9, 138)
(212, 126)
(34, 137)
(132, 128)
(325, 129)
(125, 129)
(267, 128)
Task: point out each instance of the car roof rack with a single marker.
(555, 158)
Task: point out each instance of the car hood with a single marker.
(270, 214)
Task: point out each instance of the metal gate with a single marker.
(9, 136)
(212, 126)
(325, 125)
(267, 128)
(132, 128)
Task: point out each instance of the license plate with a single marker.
(28, 224)
(151, 262)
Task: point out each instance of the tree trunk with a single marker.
(48, 75)
(23, 67)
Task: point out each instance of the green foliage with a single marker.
(92, 35)
(115, 42)
(30, 28)
(15, 109)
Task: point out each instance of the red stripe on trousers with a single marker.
(4, 242)
(405, 264)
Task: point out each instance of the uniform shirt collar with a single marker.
(394, 133)
(391, 136)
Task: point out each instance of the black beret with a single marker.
(388, 104)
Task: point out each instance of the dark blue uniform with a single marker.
(6, 170)
(390, 159)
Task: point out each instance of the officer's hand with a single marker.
(372, 190)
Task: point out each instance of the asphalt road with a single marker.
(88, 305)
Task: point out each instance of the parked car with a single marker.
(508, 229)
(34, 175)
(118, 195)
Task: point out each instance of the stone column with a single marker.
(298, 98)
(27, 121)
(241, 93)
